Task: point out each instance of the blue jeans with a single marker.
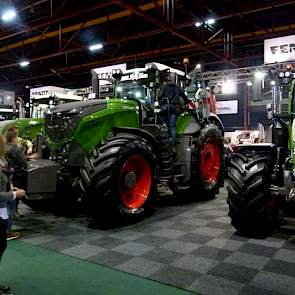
(11, 209)
(172, 127)
(169, 116)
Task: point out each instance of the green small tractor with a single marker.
(28, 128)
(42, 99)
(262, 176)
(113, 153)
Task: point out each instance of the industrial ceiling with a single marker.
(54, 36)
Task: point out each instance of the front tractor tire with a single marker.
(252, 207)
(207, 163)
(118, 178)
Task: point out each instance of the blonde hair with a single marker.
(11, 135)
(2, 147)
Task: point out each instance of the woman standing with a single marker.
(7, 193)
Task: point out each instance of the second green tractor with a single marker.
(261, 187)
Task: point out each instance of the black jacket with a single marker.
(174, 94)
(16, 159)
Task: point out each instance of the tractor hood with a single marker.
(63, 119)
(79, 105)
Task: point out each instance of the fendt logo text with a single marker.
(285, 48)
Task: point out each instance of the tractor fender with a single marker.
(214, 118)
(157, 138)
(137, 131)
(267, 148)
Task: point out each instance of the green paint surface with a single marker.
(183, 121)
(97, 126)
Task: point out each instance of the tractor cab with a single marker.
(134, 84)
(141, 85)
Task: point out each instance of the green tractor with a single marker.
(114, 153)
(262, 176)
(42, 99)
(28, 128)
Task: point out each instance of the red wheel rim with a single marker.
(135, 180)
(210, 161)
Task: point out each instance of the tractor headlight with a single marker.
(281, 74)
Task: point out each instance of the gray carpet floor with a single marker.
(187, 245)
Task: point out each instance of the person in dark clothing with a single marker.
(171, 99)
(16, 160)
(27, 147)
(7, 193)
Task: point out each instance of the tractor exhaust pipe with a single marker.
(95, 84)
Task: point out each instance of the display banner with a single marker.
(279, 49)
(225, 107)
(45, 91)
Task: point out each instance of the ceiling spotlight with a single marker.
(8, 15)
(281, 74)
(95, 47)
(24, 63)
(249, 83)
(259, 75)
(272, 83)
(198, 24)
(119, 89)
(210, 21)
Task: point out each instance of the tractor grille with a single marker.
(63, 120)
(59, 126)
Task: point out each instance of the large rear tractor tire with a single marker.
(252, 207)
(207, 163)
(118, 178)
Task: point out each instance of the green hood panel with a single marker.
(96, 126)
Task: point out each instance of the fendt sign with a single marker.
(279, 49)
